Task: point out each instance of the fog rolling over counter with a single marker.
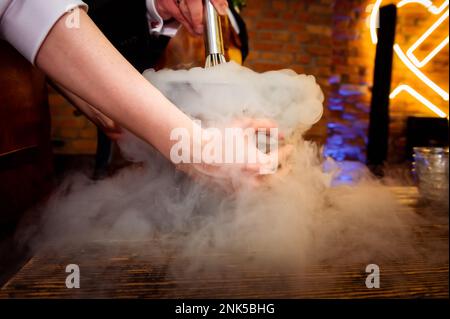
(295, 220)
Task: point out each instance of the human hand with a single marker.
(252, 172)
(188, 12)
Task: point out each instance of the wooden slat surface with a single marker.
(121, 270)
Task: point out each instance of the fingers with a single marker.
(195, 11)
(161, 8)
(221, 6)
(177, 14)
(283, 170)
(190, 12)
(270, 163)
(185, 12)
(259, 124)
(256, 123)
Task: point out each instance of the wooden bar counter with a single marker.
(124, 272)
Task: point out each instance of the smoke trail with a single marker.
(296, 219)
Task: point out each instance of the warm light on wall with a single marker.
(374, 21)
(419, 97)
(409, 59)
(436, 88)
(410, 52)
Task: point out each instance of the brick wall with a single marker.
(296, 35)
(331, 40)
(413, 21)
(72, 132)
(351, 75)
(328, 39)
(354, 55)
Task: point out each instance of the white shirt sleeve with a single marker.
(26, 23)
(156, 24)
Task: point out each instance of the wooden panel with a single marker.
(132, 270)
(23, 118)
(25, 150)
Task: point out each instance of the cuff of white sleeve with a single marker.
(156, 24)
(26, 24)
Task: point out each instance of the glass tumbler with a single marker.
(430, 168)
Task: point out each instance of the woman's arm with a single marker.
(108, 126)
(84, 62)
